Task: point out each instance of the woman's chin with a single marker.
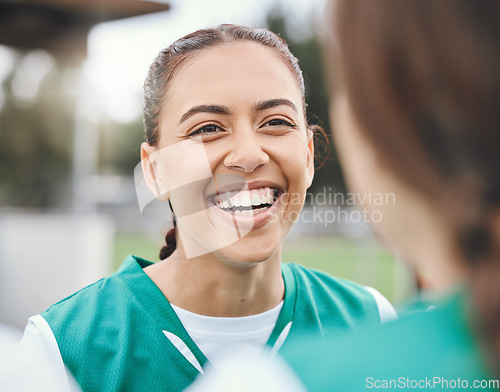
(248, 254)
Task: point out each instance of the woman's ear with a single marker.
(310, 158)
(150, 170)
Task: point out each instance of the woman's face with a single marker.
(234, 156)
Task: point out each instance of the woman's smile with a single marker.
(251, 207)
(245, 202)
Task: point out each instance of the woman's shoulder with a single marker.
(336, 295)
(322, 281)
(99, 296)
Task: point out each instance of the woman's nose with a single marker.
(247, 154)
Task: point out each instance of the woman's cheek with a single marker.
(183, 164)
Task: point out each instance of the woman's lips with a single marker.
(248, 209)
(245, 202)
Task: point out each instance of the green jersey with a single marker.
(122, 334)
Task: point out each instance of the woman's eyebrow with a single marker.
(217, 109)
(271, 103)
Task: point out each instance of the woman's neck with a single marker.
(213, 286)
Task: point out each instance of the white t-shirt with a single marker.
(221, 337)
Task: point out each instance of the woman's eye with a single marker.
(206, 130)
(277, 122)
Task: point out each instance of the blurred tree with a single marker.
(308, 51)
(36, 125)
(120, 146)
(37, 122)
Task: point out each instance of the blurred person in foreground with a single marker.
(27, 369)
(229, 149)
(415, 88)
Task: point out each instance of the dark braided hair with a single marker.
(170, 238)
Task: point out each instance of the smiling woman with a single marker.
(229, 147)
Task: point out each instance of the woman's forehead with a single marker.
(235, 70)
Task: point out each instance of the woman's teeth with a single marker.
(247, 202)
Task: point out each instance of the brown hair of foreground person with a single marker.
(423, 81)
